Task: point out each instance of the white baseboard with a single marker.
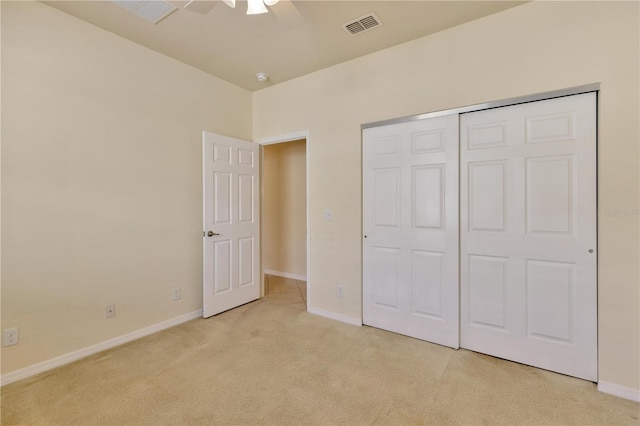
(335, 316)
(621, 391)
(285, 275)
(58, 361)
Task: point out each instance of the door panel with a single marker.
(410, 220)
(487, 289)
(550, 202)
(550, 299)
(428, 196)
(230, 199)
(246, 261)
(222, 265)
(426, 283)
(487, 207)
(385, 276)
(386, 193)
(246, 188)
(528, 223)
(222, 201)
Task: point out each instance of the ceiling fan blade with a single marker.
(201, 6)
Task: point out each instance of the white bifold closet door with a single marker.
(410, 227)
(528, 234)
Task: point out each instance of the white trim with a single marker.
(335, 316)
(285, 275)
(58, 361)
(308, 189)
(621, 391)
(294, 136)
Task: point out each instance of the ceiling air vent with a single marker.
(362, 24)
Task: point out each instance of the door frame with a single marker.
(289, 137)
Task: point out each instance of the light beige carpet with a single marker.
(270, 362)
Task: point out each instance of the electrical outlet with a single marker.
(177, 293)
(11, 336)
(340, 290)
(110, 311)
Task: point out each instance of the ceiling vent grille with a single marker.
(362, 24)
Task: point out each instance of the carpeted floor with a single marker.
(270, 362)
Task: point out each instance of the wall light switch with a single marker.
(177, 293)
(327, 214)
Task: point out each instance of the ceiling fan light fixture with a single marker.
(256, 7)
(230, 3)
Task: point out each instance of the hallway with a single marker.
(285, 290)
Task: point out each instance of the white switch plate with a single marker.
(327, 214)
(110, 311)
(177, 293)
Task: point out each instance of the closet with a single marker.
(479, 231)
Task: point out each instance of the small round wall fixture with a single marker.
(262, 76)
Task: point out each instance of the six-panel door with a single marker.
(528, 234)
(410, 226)
(231, 223)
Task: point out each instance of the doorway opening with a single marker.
(285, 217)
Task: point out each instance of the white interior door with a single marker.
(410, 226)
(528, 234)
(231, 236)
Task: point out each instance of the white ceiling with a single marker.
(295, 38)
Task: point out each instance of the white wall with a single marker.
(284, 220)
(101, 181)
(537, 47)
